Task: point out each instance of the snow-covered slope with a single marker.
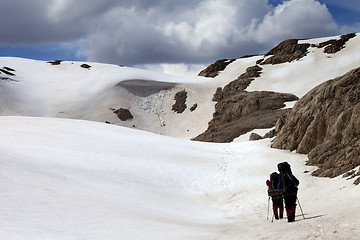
(67, 179)
(69, 91)
(299, 77)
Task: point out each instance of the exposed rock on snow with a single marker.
(325, 123)
(254, 137)
(55, 62)
(238, 85)
(214, 69)
(286, 51)
(180, 102)
(334, 46)
(87, 66)
(9, 69)
(193, 107)
(7, 72)
(238, 112)
(123, 114)
(243, 112)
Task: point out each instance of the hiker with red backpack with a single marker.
(276, 195)
(288, 184)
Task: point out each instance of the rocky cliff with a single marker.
(325, 124)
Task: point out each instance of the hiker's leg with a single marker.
(281, 211)
(275, 210)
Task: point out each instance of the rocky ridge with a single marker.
(286, 51)
(334, 46)
(238, 111)
(214, 69)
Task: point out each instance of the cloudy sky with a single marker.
(154, 32)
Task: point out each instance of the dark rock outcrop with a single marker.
(214, 69)
(238, 85)
(238, 112)
(334, 46)
(243, 112)
(180, 102)
(7, 72)
(193, 107)
(6, 78)
(9, 69)
(55, 62)
(123, 114)
(87, 66)
(286, 51)
(325, 124)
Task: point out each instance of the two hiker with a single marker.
(283, 186)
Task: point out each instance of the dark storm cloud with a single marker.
(173, 31)
(28, 22)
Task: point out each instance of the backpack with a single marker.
(273, 191)
(288, 181)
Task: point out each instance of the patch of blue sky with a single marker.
(342, 15)
(44, 52)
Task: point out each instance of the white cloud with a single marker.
(181, 69)
(294, 19)
(210, 29)
(134, 32)
(175, 69)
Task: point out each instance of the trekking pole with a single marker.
(267, 218)
(300, 207)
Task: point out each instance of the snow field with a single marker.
(72, 179)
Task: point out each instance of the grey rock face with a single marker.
(325, 124)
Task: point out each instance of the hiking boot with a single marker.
(291, 218)
(276, 217)
(281, 216)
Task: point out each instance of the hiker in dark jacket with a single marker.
(276, 195)
(288, 183)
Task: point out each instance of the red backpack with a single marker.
(273, 191)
